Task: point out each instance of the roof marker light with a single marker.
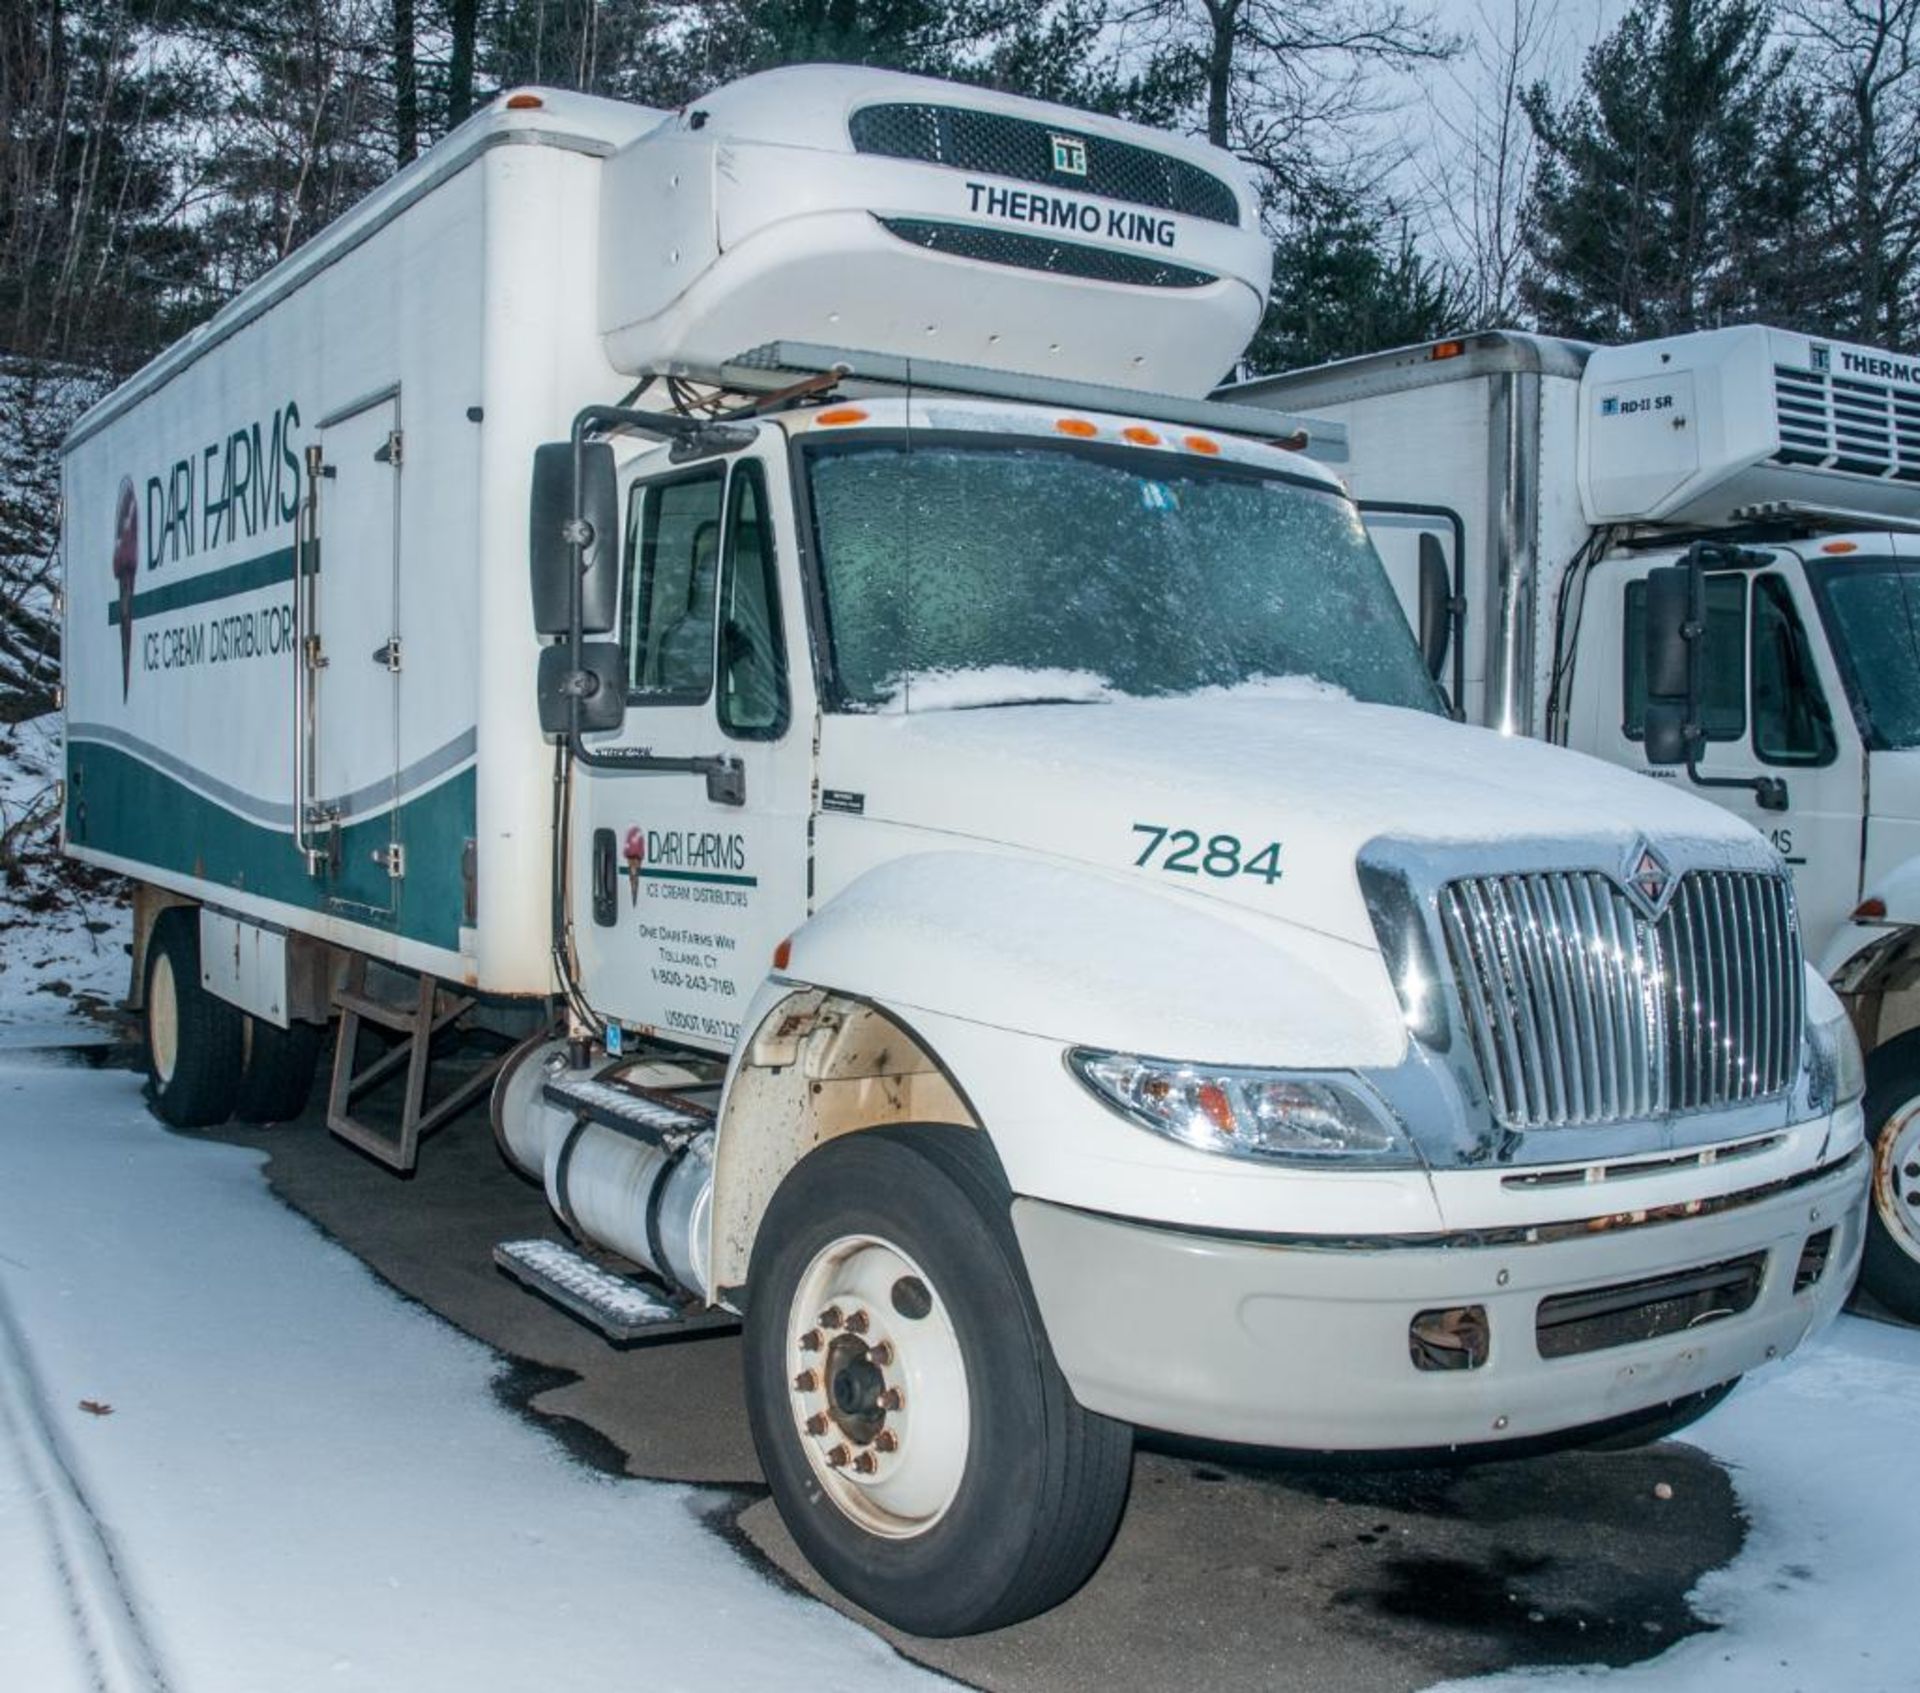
(1078, 427)
(1839, 547)
(1200, 444)
(1140, 436)
(835, 415)
(1446, 349)
(524, 103)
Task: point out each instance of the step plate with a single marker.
(618, 1308)
(627, 1108)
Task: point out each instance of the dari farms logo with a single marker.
(126, 570)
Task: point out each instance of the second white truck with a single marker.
(951, 829)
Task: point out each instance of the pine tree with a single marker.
(1345, 283)
(1670, 183)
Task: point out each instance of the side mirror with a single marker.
(549, 554)
(600, 684)
(1436, 604)
(1675, 629)
(1665, 731)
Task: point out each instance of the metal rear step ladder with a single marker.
(434, 1008)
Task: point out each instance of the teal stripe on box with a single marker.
(266, 571)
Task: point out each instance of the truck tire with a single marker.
(1890, 1266)
(916, 1433)
(193, 1038)
(276, 1070)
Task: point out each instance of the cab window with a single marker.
(670, 590)
(1723, 681)
(753, 667)
(1791, 722)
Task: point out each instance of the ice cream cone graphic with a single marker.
(126, 567)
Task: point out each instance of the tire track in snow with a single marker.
(112, 1639)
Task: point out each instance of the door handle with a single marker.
(606, 879)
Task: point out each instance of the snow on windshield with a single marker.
(1010, 684)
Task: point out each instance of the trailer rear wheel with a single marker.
(1890, 1267)
(916, 1433)
(193, 1038)
(276, 1070)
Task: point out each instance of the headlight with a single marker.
(1838, 1074)
(1315, 1117)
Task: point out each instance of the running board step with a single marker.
(664, 1120)
(619, 1307)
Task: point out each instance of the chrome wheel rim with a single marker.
(877, 1386)
(1896, 1177)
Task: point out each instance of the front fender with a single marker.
(1088, 958)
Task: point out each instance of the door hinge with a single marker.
(392, 859)
(390, 453)
(388, 653)
(316, 659)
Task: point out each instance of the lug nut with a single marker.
(881, 1354)
(805, 1382)
(892, 1399)
(838, 1456)
(866, 1463)
(830, 1318)
(857, 1323)
(817, 1423)
(811, 1341)
(886, 1441)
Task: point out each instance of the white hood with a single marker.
(1318, 777)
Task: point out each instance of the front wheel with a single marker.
(916, 1433)
(1890, 1266)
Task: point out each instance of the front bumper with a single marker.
(1306, 1345)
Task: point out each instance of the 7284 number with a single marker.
(1186, 852)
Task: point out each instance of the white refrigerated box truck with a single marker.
(751, 603)
(1554, 487)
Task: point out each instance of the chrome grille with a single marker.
(1584, 1011)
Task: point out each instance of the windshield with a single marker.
(1871, 607)
(964, 573)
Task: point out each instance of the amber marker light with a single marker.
(783, 954)
(836, 415)
(1078, 427)
(1872, 910)
(524, 103)
(1446, 349)
(1200, 444)
(1140, 436)
(1839, 547)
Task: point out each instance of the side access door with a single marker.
(353, 658)
(679, 893)
(1772, 707)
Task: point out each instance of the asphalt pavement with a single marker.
(1229, 1570)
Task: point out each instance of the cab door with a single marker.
(678, 893)
(1772, 707)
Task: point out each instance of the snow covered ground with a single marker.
(232, 1459)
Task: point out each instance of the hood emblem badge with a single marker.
(1650, 880)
